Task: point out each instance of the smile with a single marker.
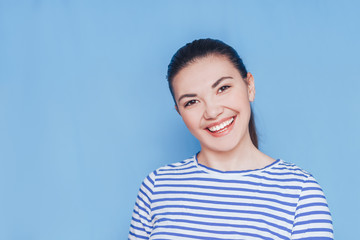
(222, 126)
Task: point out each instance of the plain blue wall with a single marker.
(85, 112)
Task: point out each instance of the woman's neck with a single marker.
(244, 157)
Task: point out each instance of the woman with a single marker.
(230, 189)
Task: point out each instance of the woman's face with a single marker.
(213, 101)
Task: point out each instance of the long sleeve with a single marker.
(141, 224)
(312, 217)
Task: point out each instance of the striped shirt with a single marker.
(187, 200)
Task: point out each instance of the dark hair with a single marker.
(205, 47)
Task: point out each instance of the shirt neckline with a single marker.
(232, 173)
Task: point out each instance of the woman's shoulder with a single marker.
(181, 167)
(291, 175)
(289, 168)
(287, 173)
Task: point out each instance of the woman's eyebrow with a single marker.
(219, 81)
(187, 95)
(212, 86)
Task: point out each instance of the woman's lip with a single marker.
(219, 122)
(223, 131)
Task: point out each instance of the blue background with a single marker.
(85, 111)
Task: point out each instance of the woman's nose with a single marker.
(212, 110)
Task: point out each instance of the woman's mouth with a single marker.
(222, 127)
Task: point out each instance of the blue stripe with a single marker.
(313, 221)
(312, 181)
(277, 180)
(311, 196)
(140, 198)
(136, 235)
(155, 173)
(313, 230)
(136, 213)
(312, 205)
(206, 216)
(292, 169)
(138, 221)
(226, 203)
(237, 196)
(284, 173)
(139, 229)
(233, 189)
(317, 238)
(312, 213)
(287, 164)
(236, 172)
(179, 173)
(185, 235)
(141, 208)
(226, 225)
(148, 188)
(150, 180)
(181, 164)
(213, 231)
(312, 189)
(230, 181)
(176, 169)
(219, 210)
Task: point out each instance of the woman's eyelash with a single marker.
(191, 102)
(223, 88)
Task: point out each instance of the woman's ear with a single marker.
(177, 109)
(251, 86)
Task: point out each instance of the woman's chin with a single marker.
(219, 148)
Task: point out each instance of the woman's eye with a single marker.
(223, 88)
(191, 102)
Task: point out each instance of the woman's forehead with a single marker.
(202, 74)
(206, 69)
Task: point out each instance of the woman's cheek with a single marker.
(192, 119)
(188, 119)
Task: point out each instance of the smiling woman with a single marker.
(220, 95)
(230, 189)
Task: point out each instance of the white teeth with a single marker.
(221, 125)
